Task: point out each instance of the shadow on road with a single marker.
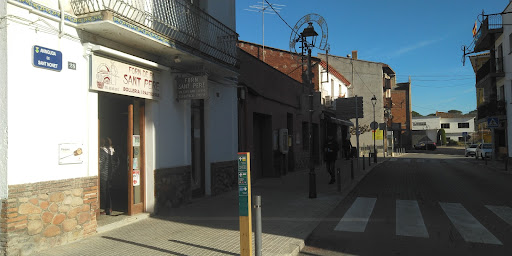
(455, 151)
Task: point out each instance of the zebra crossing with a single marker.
(424, 160)
(410, 222)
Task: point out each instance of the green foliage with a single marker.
(442, 134)
(453, 111)
(415, 114)
(433, 114)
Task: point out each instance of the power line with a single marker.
(281, 17)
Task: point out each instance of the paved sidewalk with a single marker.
(209, 226)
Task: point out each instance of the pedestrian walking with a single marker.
(331, 154)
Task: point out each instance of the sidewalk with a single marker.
(210, 225)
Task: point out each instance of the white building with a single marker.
(454, 127)
(161, 85)
(333, 85)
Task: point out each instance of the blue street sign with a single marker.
(464, 134)
(47, 58)
(493, 122)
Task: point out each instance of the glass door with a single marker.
(136, 158)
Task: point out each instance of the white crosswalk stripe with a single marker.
(467, 225)
(409, 221)
(356, 218)
(504, 212)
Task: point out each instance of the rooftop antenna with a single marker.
(264, 7)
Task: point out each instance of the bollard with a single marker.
(351, 168)
(369, 159)
(338, 178)
(257, 231)
(363, 163)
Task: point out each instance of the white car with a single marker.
(471, 150)
(483, 150)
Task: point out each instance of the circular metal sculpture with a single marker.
(295, 37)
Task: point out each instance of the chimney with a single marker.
(354, 55)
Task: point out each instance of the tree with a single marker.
(415, 114)
(433, 114)
(473, 113)
(453, 111)
(441, 137)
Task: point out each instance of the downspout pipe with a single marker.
(61, 24)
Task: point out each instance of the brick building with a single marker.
(401, 110)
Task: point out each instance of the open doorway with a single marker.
(121, 118)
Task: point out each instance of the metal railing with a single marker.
(176, 19)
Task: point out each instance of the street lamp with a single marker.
(310, 32)
(374, 102)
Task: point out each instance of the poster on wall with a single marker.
(112, 76)
(70, 153)
(136, 178)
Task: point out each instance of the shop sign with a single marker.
(194, 87)
(47, 58)
(112, 76)
(70, 153)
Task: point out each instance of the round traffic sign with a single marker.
(374, 125)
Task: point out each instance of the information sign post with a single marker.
(244, 203)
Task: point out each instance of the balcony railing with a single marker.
(492, 109)
(483, 71)
(176, 19)
(491, 24)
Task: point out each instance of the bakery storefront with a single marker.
(123, 89)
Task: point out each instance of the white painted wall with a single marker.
(426, 123)
(326, 89)
(454, 132)
(222, 10)
(221, 127)
(45, 108)
(507, 63)
(3, 101)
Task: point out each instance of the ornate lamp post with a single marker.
(310, 32)
(307, 75)
(374, 102)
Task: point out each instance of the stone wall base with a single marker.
(224, 176)
(173, 188)
(42, 215)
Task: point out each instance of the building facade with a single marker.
(367, 79)
(490, 62)
(161, 85)
(454, 126)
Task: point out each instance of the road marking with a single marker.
(409, 221)
(469, 227)
(504, 212)
(356, 218)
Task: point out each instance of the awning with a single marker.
(340, 122)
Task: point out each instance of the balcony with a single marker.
(489, 30)
(492, 109)
(159, 26)
(488, 71)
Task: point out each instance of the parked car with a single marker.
(483, 150)
(471, 150)
(424, 145)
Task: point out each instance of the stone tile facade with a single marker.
(42, 215)
(224, 176)
(173, 188)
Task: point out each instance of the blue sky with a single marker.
(421, 39)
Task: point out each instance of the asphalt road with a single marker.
(424, 203)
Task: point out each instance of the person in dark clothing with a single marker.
(347, 149)
(109, 162)
(331, 154)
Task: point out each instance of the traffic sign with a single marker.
(374, 125)
(464, 134)
(493, 122)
